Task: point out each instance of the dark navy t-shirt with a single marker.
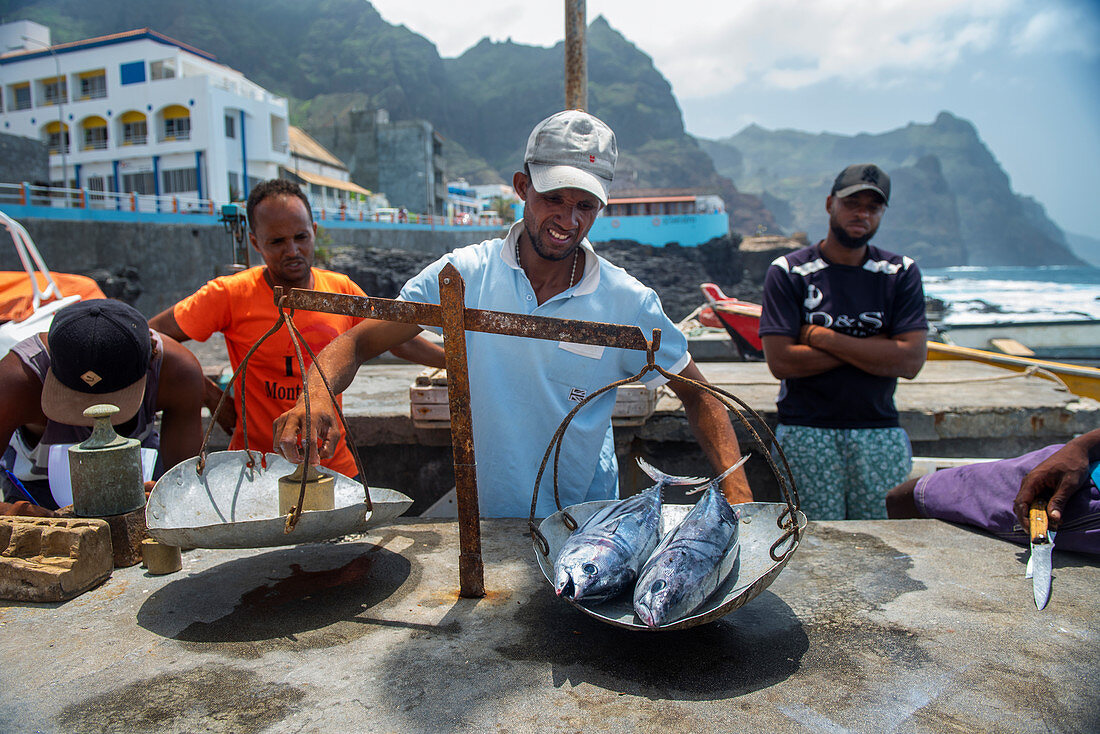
(884, 295)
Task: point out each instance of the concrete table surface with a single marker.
(909, 626)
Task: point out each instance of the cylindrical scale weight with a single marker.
(106, 469)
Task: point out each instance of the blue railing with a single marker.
(46, 202)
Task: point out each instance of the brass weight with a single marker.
(319, 495)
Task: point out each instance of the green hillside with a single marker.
(952, 205)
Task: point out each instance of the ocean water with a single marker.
(1014, 294)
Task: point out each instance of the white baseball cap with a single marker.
(572, 150)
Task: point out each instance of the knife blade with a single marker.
(1042, 549)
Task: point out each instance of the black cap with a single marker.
(99, 353)
(862, 177)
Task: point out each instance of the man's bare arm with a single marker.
(165, 322)
(339, 361)
(901, 355)
(711, 425)
(180, 397)
(22, 391)
(788, 358)
(421, 351)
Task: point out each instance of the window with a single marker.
(165, 69)
(230, 126)
(95, 138)
(95, 183)
(53, 140)
(132, 72)
(179, 180)
(135, 133)
(55, 91)
(22, 95)
(234, 186)
(93, 85)
(177, 128)
(139, 183)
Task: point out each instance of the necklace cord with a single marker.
(572, 273)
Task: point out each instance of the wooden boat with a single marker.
(742, 320)
(29, 298)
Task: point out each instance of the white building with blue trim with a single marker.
(140, 112)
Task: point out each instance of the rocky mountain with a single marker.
(331, 57)
(952, 205)
(951, 202)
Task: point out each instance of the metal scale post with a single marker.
(455, 320)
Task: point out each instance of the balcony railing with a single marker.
(349, 215)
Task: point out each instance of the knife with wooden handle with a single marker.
(1042, 548)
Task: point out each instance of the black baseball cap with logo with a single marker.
(99, 353)
(862, 177)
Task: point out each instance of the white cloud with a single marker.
(1067, 28)
(707, 47)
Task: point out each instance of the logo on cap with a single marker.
(91, 378)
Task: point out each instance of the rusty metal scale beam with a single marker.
(455, 320)
(488, 322)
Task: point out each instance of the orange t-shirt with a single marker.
(242, 307)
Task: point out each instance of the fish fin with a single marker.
(718, 479)
(660, 477)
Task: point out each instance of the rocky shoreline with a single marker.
(674, 272)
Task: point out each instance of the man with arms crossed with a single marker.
(242, 306)
(521, 389)
(842, 320)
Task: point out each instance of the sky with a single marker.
(1025, 72)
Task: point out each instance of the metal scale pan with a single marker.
(754, 571)
(232, 506)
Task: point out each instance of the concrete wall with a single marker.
(23, 159)
(174, 260)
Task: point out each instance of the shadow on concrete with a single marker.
(512, 647)
(302, 597)
(753, 647)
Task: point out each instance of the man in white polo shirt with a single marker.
(521, 389)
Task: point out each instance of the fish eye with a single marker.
(589, 569)
(658, 585)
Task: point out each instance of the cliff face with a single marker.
(951, 203)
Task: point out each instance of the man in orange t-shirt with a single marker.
(242, 307)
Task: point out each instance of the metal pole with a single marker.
(60, 113)
(471, 568)
(576, 56)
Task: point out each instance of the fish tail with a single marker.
(718, 479)
(663, 479)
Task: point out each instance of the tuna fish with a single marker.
(691, 561)
(601, 558)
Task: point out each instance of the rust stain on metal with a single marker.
(452, 299)
(407, 312)
(491, 322)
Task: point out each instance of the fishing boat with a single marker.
(1057, 339)
(29, 298)
(741, 320)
